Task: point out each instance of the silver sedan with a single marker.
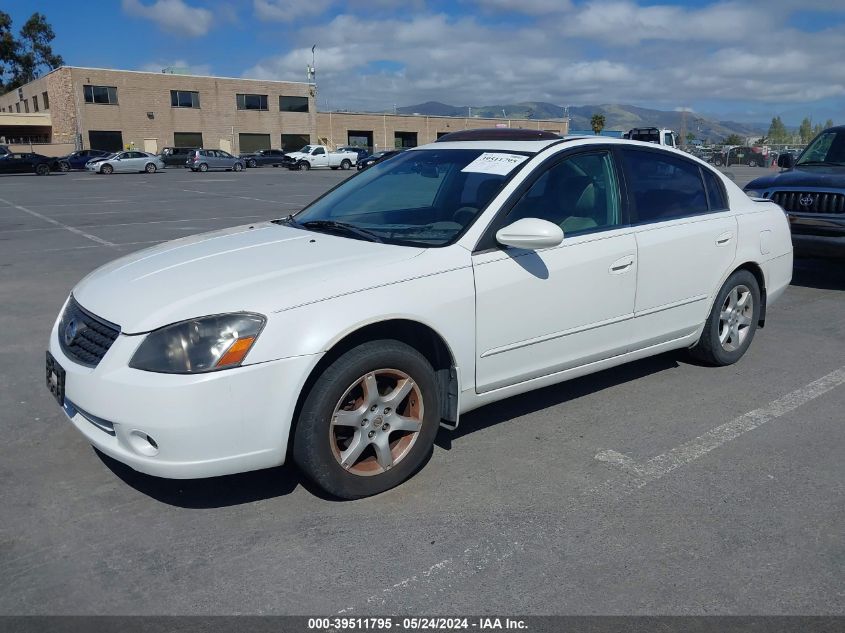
(129, 161)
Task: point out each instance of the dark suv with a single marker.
(176, 156)
(811, 190)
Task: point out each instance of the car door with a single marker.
(686, 240)
(319, 158)
(545, 311)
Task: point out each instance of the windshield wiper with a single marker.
(341, 227)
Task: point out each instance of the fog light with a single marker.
(143, 443)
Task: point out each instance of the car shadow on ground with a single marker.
(215, 492)
(533, 401)
(822, 274)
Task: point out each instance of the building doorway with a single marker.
(253, 142)
(108, 141)
(404, 139)
(360, 138)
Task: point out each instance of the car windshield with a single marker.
(419, 198)
(827, 149)
(306, 149)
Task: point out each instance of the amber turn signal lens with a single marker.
(236, 353)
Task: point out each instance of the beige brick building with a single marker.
(111, 109)
(80, 108)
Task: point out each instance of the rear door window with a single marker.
(662, 186)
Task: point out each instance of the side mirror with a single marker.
(530, 234)
(786, 161)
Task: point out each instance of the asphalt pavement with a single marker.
(659, 487)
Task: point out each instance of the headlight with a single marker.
(199, 345)
(754, 193)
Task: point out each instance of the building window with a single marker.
(26, 105)
(293, 104)
(46, 100)
(294, 142)
(35, 102)
(184, 99)
(252, 102)
(100, 94)
(18, 106)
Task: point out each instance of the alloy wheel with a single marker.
(735, 318)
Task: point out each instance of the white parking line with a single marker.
(72, 229)
(227, 217)
(643, 473)
(482, 556)
(226, 195)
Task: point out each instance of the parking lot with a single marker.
(659, 487)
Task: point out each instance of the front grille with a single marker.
(819, 202)
(84, 337)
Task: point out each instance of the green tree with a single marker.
(828, 123)
(597, 123)
(22, 59)
(777, 131)
(805, 130)
(690, 138)
(817, 129)
(734, 139)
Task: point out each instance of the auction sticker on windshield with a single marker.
(494, 163)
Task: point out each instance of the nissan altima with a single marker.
(454, 275)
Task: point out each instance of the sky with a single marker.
(745, 60)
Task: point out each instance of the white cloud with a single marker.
(289, 10)
(172, 15)
(531, 7)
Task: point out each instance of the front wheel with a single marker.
(369, 421)
(150, 168)
(238, 167)
(345, 164)
(203, 167)
(732, 321)
(64, 165)
(106, 169)
(304, 165)
(42, 169)
(252, 163)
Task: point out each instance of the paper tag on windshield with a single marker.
(494, 163)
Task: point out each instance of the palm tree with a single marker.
(597, 123)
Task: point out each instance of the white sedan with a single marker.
(452, 276)
(129, 161)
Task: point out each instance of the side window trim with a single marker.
(487, 241)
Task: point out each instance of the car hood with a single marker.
(261, 268)
(823, 177)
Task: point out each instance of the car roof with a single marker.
(535, 147)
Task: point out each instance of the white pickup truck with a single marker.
(312, 156)
(660, 136)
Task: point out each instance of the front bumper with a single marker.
(817, 235)
(201, 425)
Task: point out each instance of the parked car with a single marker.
(362, 152)
(27, 163)
(812, 193)
(451, 276)
(78, 159)
(125, 162)
(369, 161)
(176, 156)
(274, 157)
(205, 159)
(751, 156)
(315, 156)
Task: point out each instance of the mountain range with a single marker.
(617, 117)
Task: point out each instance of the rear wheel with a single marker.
(150, 168)
(732, 321)
(369, 421)
(42, 169)
(203, 167)
(106, 169)
(345, 164)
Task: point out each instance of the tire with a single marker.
(106, 169)
(342, 385)
(252, 163)
(64, 165)
(731, 318)
(150, 168)
(238, 167)
(42, 169)
(304, 164)
(334, 168)
(345, 164)
(717, 162)
(203, 167)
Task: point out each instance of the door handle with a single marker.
(724, 239)
(622, 265)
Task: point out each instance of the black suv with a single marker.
(812, 192)
(274, 157)
(176, 156)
